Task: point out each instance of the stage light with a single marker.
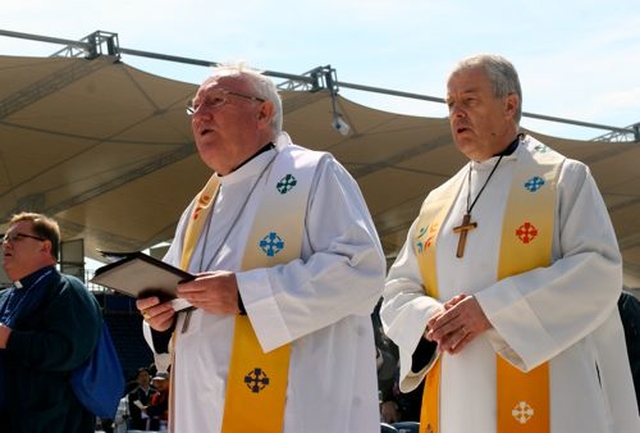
(340, 125)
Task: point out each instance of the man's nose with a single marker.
(456, 111)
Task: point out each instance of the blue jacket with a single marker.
(48, 341)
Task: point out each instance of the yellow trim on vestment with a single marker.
(279, 218)
(527, 235)
(203, 204)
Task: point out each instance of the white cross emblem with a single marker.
(522, 412)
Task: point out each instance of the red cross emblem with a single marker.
(526, 232)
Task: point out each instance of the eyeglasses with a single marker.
(217, 99)
(13, 237)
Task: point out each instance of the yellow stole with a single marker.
(257, 381)
(527, 235)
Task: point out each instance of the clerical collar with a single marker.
(32, 278)
(511, 147)
(263, 149)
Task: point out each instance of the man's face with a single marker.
(143, 378)
(226, 124)
(482, 125)
(24, 251)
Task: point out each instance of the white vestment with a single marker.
(565, 314)
(320, 304)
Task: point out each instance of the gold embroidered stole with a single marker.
(527, 235)
(203, 202)
(257, 381)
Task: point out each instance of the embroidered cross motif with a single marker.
(522, 412)
(527, 232)
(541, 148)
(286, 184)
(256, 380)
(534, 184)
(271, 244)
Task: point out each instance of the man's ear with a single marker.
(47, 247)
(266, 112)
(511, 104)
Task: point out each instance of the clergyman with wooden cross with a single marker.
(503, 298)
(289, 268)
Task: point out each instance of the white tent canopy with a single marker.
(107, 150)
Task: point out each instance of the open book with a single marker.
(139, 275)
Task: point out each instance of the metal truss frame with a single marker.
(101, 43)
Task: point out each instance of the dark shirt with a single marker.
(50, 338)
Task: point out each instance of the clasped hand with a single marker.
(459, 321)
(215, 292)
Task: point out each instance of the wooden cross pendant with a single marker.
(466, 226)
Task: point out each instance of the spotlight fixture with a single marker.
(339, 124)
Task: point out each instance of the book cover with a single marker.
(139, 275)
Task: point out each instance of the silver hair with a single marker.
(503, 76)
(260, 86)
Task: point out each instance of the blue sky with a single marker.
(577, 59)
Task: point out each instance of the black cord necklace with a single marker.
(467, 225)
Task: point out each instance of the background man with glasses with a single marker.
(289, 268)
(49, 324)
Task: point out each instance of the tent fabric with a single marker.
(107, 150)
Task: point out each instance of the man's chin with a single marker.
(467, 146)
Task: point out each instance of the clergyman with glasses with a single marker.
(278, 334)
(49, 324)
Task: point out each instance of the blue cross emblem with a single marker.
(534, 184)
(256, 380)
(286, 184)
(271, 244)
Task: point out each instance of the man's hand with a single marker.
(461, 321)
(158, 315)
(5, 331)
(215, 292)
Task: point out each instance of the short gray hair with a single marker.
(260, 84)
(503, 76)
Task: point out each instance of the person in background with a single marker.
(49, 324)
(504, 294)
(158, 409)
(288, 269)
(139, 399)
(121, 419)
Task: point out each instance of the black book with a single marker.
(139, 275)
